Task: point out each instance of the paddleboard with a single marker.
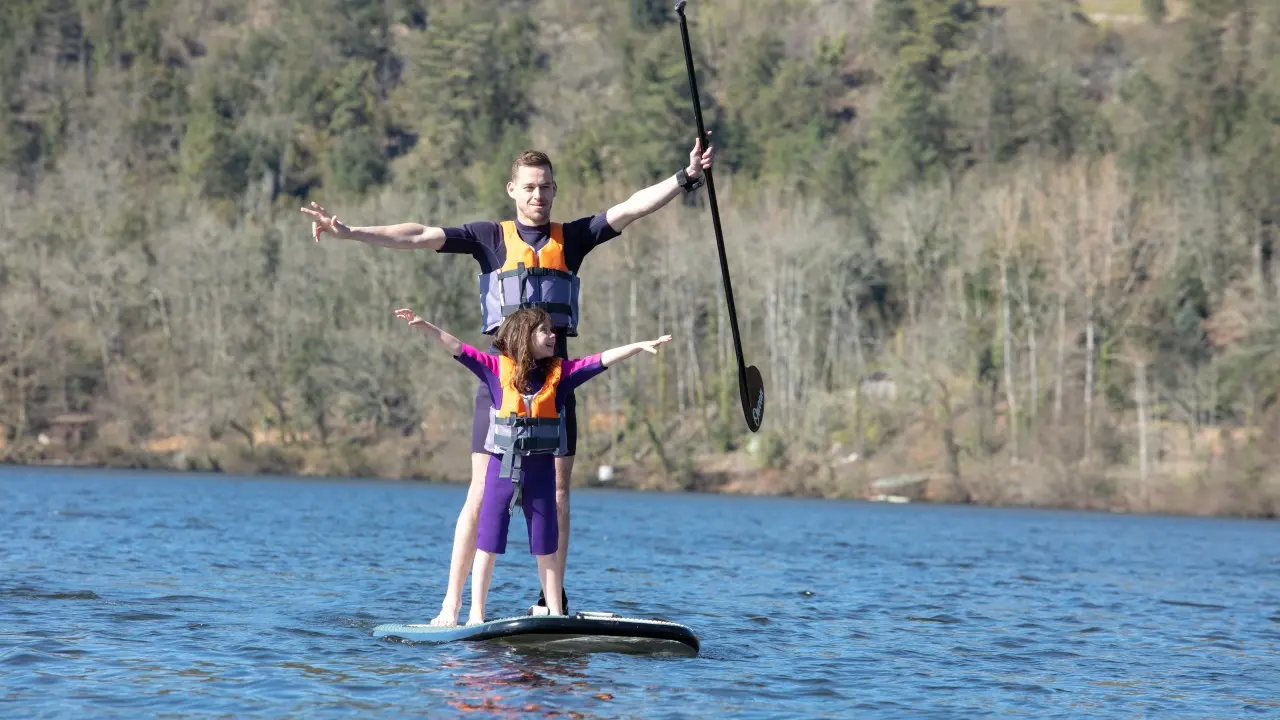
(583, 631)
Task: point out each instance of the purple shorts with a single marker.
(537, 499)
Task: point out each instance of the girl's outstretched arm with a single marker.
(450, 343)
(609, 357)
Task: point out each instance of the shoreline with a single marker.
(718, 474)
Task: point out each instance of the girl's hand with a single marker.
(411, 316)
(651, 346)
(608, 358)
(450, 343)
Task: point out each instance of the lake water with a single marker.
(129, 594)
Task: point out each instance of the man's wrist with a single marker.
(687, 182)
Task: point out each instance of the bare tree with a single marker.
(1009, 211)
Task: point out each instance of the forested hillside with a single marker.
(1024, 250)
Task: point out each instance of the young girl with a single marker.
(526, 431)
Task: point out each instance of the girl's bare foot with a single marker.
(474, 619)
(448, 617)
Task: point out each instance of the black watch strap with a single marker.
(686, 182)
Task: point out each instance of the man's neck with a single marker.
(522, 220)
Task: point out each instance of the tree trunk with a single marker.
(1140, 399)
(946, 424)
(1061, 363)
(102, 324)
(661, 359)
(695, 365)
(613, 377)
(831, 356)
(1089, 352)
(1010, 392)
(771, 339)
(860, 371)
(22, 381)
(1033, 369)
(633, 392)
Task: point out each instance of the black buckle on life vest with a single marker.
(552, 308)
(521, 270)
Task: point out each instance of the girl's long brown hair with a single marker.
(515, 340)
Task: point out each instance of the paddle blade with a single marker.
(753, 398)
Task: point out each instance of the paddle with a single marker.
(750, 384)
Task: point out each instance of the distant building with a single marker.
(72, 429)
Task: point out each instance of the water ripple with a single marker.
(151, 595)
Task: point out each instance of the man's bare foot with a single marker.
(448, 617)
(474, 619)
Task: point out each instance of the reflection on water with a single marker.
(502, 680)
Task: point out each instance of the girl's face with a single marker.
(543, 342)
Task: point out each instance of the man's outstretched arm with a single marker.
(646, 201)
(403, 236)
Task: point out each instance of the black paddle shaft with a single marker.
(750, 384)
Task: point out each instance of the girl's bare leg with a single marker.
(481, 575)
(464, 543)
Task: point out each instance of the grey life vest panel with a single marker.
(526, 435)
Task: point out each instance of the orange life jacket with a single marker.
(525, 424)
(531, 279)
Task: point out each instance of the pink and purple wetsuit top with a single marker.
(538, 496)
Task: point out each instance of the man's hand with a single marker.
(645, 201)
(322, 222)
(410, 316)
(698, 159)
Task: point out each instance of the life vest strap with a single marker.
(511, 468)
(521, 270)
(551, 307)
(519, 421)
(528, 445)
(515, 496)
(537, 445)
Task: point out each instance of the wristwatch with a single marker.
(686, 182)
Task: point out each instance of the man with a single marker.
(506, 252)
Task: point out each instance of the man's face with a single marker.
(533, 190)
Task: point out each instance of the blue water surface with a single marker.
(159, 595)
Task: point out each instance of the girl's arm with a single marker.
(482, 365)
(449, 342)
(580, 370)
(618, 354)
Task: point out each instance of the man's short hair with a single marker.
(531, 158)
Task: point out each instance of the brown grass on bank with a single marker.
(1233, 479)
